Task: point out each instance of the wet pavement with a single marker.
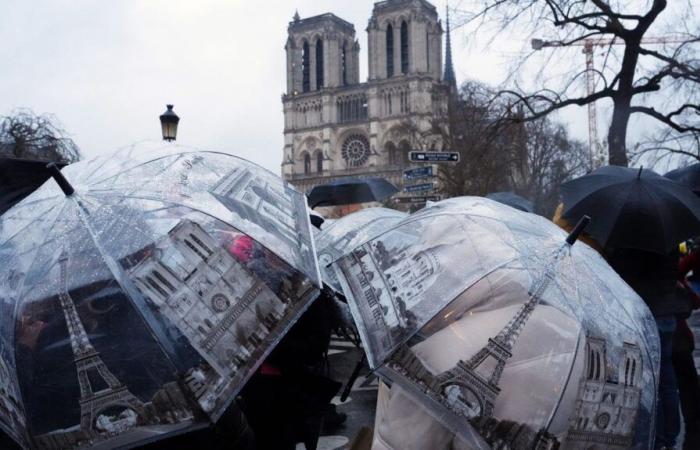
(360, 404)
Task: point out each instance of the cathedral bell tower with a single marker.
(322, 52)
(338, 126)
(405, 38)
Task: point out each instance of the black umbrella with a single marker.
(346, 191)
(633, 208)
(18, 179)
(687, 176)
(513, 200)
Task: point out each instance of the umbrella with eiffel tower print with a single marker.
(137, 297)
(496, 331)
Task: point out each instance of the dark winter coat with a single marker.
(654, 277)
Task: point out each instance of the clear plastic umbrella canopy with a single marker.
(347, 233)
(505, 332)
(138, 306)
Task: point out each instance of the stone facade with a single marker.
(336, 126)
(222, 309)
(608, 400)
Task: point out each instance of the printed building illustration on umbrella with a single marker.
(607, 401)
(222, 309)
(102, 393)
(11, 410)
(268, 204)
(471, 387)
(90, 366)
(394, 289)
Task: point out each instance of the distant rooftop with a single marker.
(391, 4)
(312, 22)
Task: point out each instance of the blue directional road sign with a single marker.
(433, 157)
(419, 187)
(420, 172)
(423, 199)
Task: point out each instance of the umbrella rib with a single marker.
(32, 222)
(175, 157)
(170, 155)
(616, 215)
(36, 257)
(114, 269)
(566, 383)
(653, 195)
(119, 218)
(96, 169)
(21, 205)
(218, 219)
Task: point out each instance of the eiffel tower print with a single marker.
(91, 369)
(471, 387)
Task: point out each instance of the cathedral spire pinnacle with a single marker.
(449, 75)
(296, 16)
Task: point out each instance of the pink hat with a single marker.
(242, 248)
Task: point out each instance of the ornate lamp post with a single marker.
(168, 123)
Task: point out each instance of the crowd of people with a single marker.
(287, 401)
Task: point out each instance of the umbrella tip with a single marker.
(580, 226)
(60, 179)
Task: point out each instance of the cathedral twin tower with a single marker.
(335, 125)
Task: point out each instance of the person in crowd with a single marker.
(654, 277)
(683, 347)
(288, 399)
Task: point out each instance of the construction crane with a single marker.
(596, 153)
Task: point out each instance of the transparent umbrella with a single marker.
(137, 307)
(347, 233)
(508, 335)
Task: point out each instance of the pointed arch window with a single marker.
(305, 73)
(307, 163)
(319, 64)
(389, 51)
(319, 161)
(404, 148)
(393, 154)
(157, 287)
(344, 63)
(404, 47)
(427, 48)
(163, 281)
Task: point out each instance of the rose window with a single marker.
(220, 303)
(356, 150)
(602, 420)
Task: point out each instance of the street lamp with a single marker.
(168, 124)
(537, 44)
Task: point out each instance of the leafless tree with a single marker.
(667, 150)
(635, 69)
(499, 151)
(28, 136)
(550, 158)
(474, 128)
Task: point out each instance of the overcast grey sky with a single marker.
(106, 69)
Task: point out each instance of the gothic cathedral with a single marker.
(337, 126)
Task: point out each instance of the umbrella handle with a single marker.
(60, 179)
(353, 377)
(580, 226)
